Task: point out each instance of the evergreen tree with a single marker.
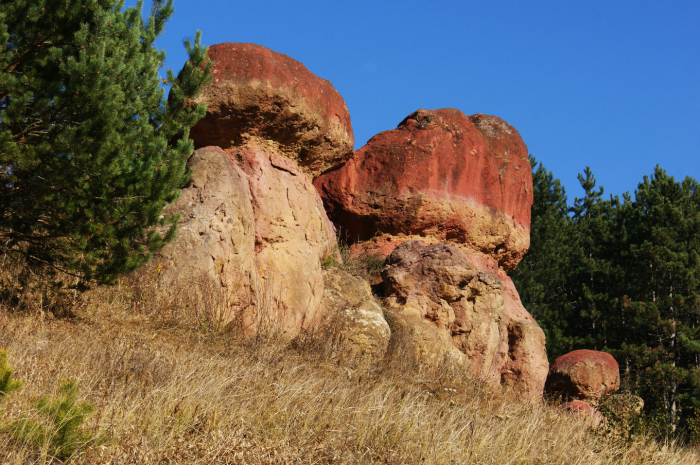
(90, 151)
(622, 277)
(663, 291)
(541, 277)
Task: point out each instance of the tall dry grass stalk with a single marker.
(170, 392)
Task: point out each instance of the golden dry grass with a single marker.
(170, 390)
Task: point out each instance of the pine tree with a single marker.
(663, 276)
(90, 151)
(541, 277)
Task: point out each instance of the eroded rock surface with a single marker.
(260, 93)
(354, 317)
(448, 308)
(440, 175)
(215, 236)
(254, 224)
(587, 375)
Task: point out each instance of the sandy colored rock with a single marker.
(449, 309)
(586, 375)
(354, 317)
(215, 235)
(252, 224)
(292, 236)
(260, 93)
(437, 176)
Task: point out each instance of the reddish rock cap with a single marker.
(260, 93)
(441, 175)
(584, 374)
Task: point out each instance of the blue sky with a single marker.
(612, 85)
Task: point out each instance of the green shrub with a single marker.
(7, 384)
(61, 433)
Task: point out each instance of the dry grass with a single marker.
(170, 389)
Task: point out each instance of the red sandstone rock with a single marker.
(437, 176)
(583, 408)
(584, 374)
(260, 93)
(510, 153)
(447, 308)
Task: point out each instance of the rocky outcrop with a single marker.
(254, 224)
(586, 375)
(438, 175)
(215, 236)
(354, 318)
(267, 95)
(450, 309)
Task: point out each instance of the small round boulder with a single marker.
(260, 93)
(587, 375)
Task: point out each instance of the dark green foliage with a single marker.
(61, 432)
(7, 384)
(90, 151)
(623, 276)
(541, 277)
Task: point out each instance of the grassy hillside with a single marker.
(167, 388)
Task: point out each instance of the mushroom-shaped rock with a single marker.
(260, 93)
(449, 308)
(354, 318)
(440, 175)
(586, 375)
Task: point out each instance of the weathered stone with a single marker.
(260, 93)
(353, 315)
(292, 236)
(437, 176)
(595, 418)
(624, 406)
(253, 223)
(585, 375)
(215, 235)
(449, 309)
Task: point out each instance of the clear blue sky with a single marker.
(610, 84)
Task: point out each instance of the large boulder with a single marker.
(260, 93)
(446, 307)
(587, 375)
(215, 236)
(253, 223)
(438, 175)
(354, 318)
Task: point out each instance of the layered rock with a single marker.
(264, 94)
(586, 375)
(449, 309)
(253, 223)
(439, 175)
(354, 318)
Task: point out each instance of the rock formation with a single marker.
(586, 375)
(263, 94)
(595, 418)
(439, 175)
(450, 309)
(354, 317)
(253, 223)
